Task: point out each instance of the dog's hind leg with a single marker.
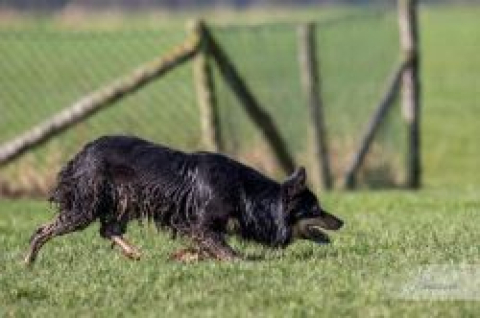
(64, 223)
(128, 250)
(114, 230)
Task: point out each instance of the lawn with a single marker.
(388, 234)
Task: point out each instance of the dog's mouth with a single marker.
(313, 229)
(314, 233)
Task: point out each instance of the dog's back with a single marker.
(156, 182)
(137, 160)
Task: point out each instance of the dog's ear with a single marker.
(295, 183)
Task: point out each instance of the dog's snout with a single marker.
(339, 224)
(332, 222)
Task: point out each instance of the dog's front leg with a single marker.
(214, 245)
(207, 245)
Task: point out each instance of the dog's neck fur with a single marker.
(258, 222)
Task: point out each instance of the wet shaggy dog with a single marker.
(115, 179)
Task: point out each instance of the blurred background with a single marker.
(52, 53)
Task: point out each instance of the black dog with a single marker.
(116, 179)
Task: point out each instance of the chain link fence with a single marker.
(43, 70)
(356, 55)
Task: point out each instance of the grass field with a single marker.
(388, 234)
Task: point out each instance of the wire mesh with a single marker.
(42, 70)
(356, 55)
(266, 56)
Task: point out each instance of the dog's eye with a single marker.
(301, 213)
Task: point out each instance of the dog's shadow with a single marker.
(254, 258)
(302, 254)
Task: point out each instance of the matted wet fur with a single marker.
(115, 179)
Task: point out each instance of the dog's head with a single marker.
(304, 215)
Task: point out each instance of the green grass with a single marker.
(388, 234)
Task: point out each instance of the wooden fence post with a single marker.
(408, 25)
(311, 86)
(205, 90)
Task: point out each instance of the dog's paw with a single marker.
(188, 256)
